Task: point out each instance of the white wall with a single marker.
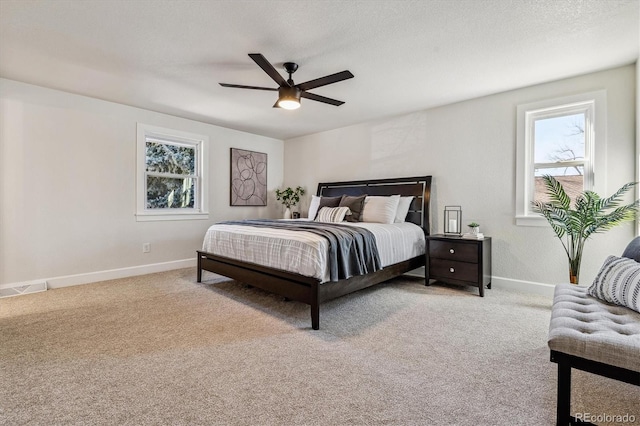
(469, 148)
(638, 133)
(68, 185)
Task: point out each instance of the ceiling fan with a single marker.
(289, 94)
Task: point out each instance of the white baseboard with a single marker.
(509, 284)
(523, 286)
(111, 274)
(416, 272)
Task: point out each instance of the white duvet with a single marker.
(306, 253)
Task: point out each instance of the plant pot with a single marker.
(287, 213)
(475, 230)
(574, 269)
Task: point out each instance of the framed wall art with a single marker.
(248, 178)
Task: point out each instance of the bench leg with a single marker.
(199, 268)
(564, 395)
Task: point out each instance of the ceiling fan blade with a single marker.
(268, 68)
(323, 81)
(319, 98)
(238, 86)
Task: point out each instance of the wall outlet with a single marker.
(146, 247)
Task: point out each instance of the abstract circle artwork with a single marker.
(248, 178)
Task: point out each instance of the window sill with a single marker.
(160, 216)
(539, 221)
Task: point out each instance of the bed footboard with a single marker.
(292, 286)
(299, 287)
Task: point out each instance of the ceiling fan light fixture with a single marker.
(289, 104)
(289, 98)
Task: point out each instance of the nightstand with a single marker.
(458, 260)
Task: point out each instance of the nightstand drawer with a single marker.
(443, 269)
(453, 250)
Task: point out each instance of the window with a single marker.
(565, 138)
(171, 175)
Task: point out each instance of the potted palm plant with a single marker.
(591, 214)
(289, 197)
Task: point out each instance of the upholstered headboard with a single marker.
(419, 187)
(633, 250)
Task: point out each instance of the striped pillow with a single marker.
(332, 214)
(618, 282)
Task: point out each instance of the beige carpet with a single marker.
(163, 349)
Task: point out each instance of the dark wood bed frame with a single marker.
(310, 290)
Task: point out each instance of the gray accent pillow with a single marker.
(633, 250)
(327, 202)
(355, 204)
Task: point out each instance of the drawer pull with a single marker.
(451, 270)
(452, 251)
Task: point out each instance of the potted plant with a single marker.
(592, 214)
(289, 197)
(475, 228)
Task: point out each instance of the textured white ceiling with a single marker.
(169, 56)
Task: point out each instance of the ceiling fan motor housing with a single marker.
(290, 67)
(289, 92)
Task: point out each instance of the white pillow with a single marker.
(380, 209)
(313, 206)
(403, 209)
(332, 214)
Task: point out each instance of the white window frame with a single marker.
(200, 143)
(594, 107)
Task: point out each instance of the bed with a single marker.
(313, 290)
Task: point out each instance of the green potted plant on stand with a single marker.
(592, 214)
(289, 197)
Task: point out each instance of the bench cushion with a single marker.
(587, 327)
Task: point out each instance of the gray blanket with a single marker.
(352, 251)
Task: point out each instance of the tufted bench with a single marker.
(594, 336)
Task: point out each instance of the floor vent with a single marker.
(34, 287)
